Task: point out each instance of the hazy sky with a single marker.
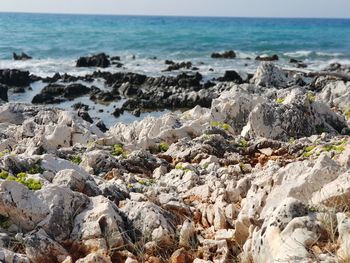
(266, 8)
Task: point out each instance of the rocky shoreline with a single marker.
(257, 170)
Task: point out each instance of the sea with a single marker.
(56, 41)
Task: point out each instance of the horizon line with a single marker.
(184, 16)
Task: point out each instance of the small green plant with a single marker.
(36, 169)
(21, 178)
(130, 186)
(338, 148)
(220, 124)
(320, 129)
(179, 167)
(244, 143)
(5, 222)
(280, 100)
(76, 159)
(347, 113)
(4, 152)
(146, 182)
(4, 174)
(205, 166)
(118, 150)
(226, 126)
(309, 150)
(163, 147)
(291, 140)
(311, 97)
(90, 144)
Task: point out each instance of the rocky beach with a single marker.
(243, 167)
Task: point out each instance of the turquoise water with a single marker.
(55, 41)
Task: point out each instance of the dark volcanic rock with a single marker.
(177, 66)
(85, 115)
(228, 55)
(80, 105)
(3, 92)
(100, 60)
(23, 56)
(14, 77)
(267, 58)
(45, 98)
(75, 90)
(231, 75)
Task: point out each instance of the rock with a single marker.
(231, 75)
(12, 257)
(187, 233)
(94, 257)
(227, 54)
(343, 223)
(14, 78)
(41, 248)
(24, 212)
(100, 219)
(177, 66)
(302, 117)
(23, 56)
(181, 256)
(267, 58)
(146, 217)
(3, 92)
(99, 60)
(75, 90)
(290, 229)
(269, 75)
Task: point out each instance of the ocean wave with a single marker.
(312, 54)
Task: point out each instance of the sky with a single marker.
(241, 8)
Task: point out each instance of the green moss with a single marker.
(5, 222)
(220, 124)
(33, 184)
(280, 100)
(163, 147)
(307, 154)
(90, 145)
(179, 167)
(4, 152)
(21, 178)
(4, 174)
(291, 140)
(130, 186)
(205, 166)
(118, 150)
(226, 126)
(36, 169)
(146, 182)
(244, 143)
(76, 159)
(309, 148)
(311, 97)
(337, 148)
(320, 129)
(347, 113)
(215, 124)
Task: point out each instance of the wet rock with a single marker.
(22, 56)
(231, 75)
(75, 90)
(14, 78)
(227, 54)
(3, 92)
(177, 66)
(100, 60)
